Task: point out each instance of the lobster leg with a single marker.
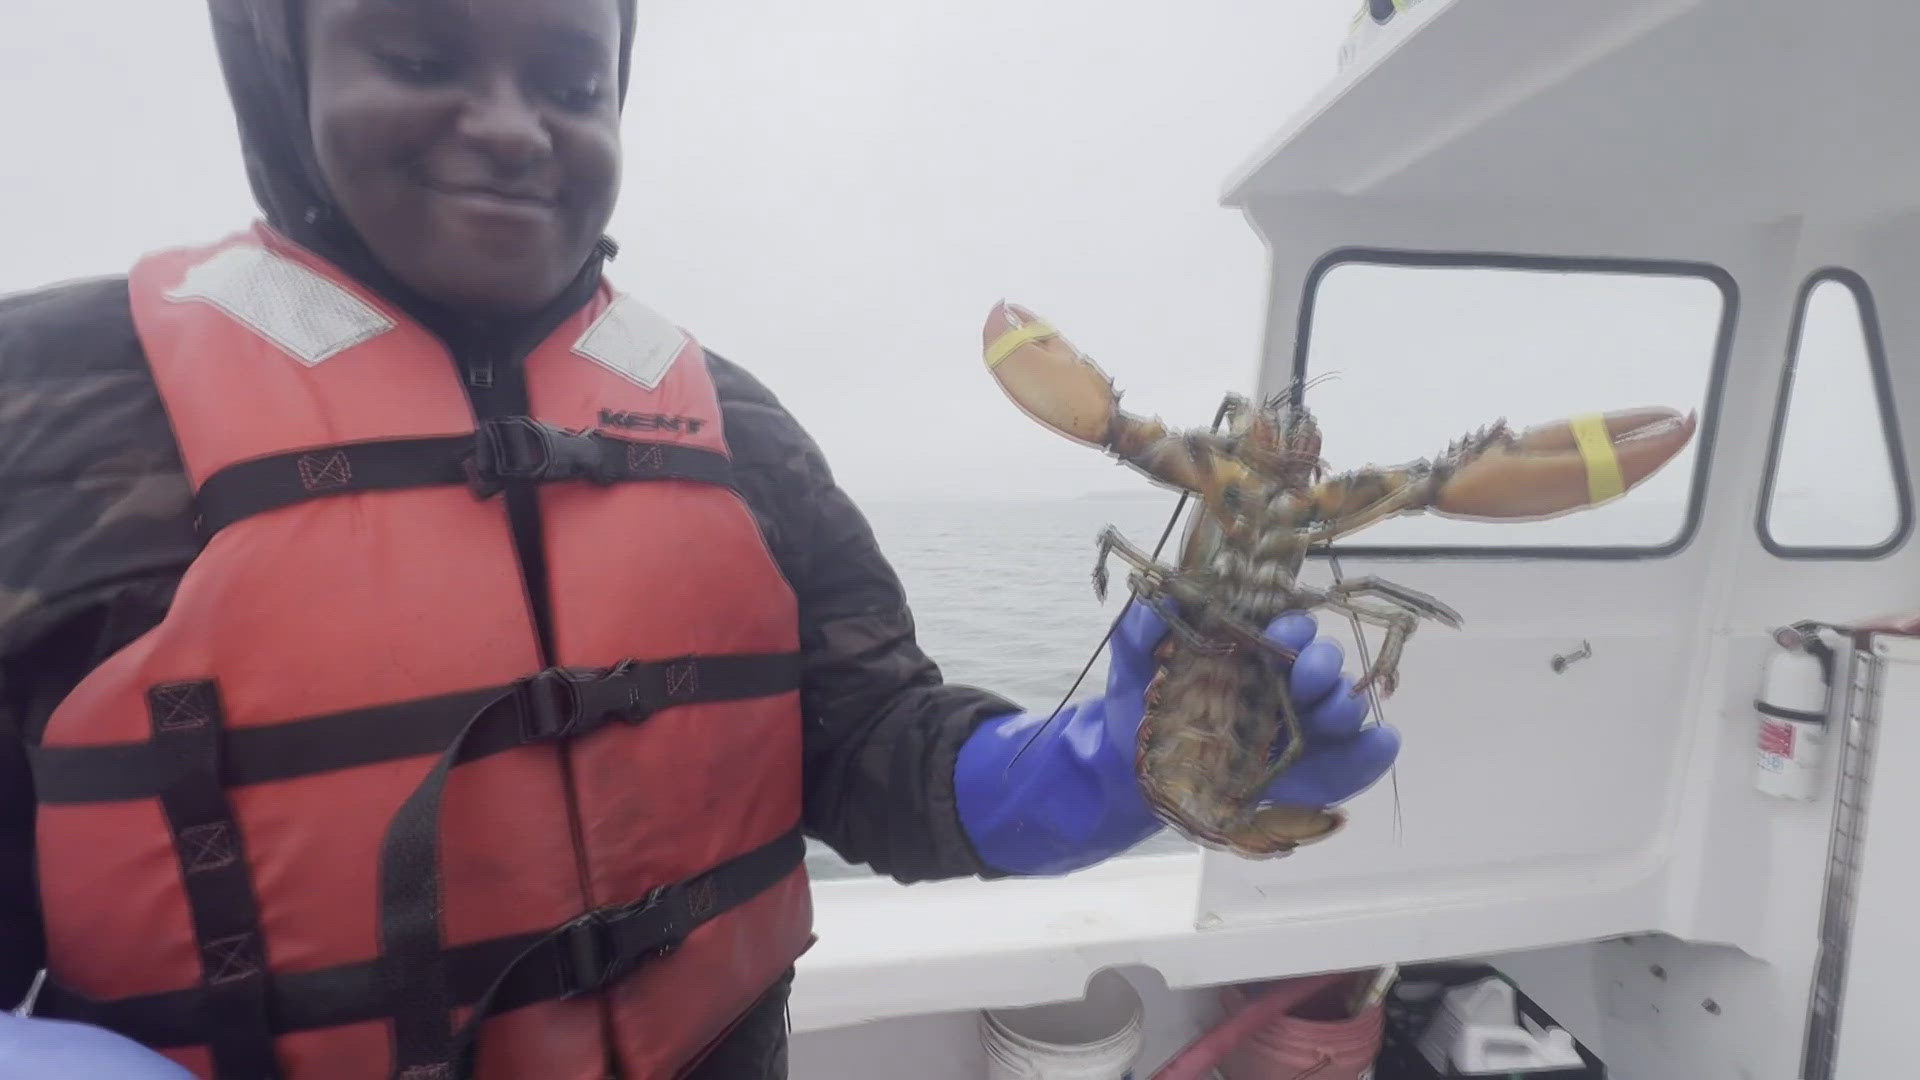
(1399, 594)
(1399, 622)
(1155, 584)
(1289, 754)
(1231, 408)
(1162, 606)
(1386, 666)
(1152, 574)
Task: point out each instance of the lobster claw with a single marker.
(1565, 465)
(1047, 377)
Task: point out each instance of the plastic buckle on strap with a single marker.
(560, 703)
(504, 448)
(522, 448)
(600, 946)
(653, 926)
(551, 706)
(585, 957)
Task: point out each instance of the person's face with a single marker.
(473, 144)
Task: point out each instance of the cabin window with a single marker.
(1405, 353)
(1836, 485)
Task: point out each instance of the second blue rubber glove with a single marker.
(32, 1048)
(1072, 799)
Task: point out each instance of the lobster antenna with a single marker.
(1097, 649)
(1296, 389)
(1324, 376)
(1219, 415)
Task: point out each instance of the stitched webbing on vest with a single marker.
(503, 449)
(186, 724)
(559, 700)
(496, 976)
(556, 706)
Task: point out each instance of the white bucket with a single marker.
(1097, 1038)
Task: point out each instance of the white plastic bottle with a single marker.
(1796, 693)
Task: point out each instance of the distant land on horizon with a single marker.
(1146, 491)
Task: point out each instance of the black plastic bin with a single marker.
(1400, 1057)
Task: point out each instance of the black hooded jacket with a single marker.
(96, 530)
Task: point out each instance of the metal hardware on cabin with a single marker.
(1563, 661)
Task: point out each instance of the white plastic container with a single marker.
(1478, 1030)
(1097, 1038)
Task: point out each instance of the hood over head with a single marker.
(264, 63)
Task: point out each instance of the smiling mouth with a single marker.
(526, 199)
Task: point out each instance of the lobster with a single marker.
(1218, 704)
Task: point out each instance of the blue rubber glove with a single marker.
(1072, 799)
(32, 1048)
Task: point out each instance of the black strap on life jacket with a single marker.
(551, 708)
(186, 723)
(493, 976)
(415, 982)
(548, 701)
(502, 449)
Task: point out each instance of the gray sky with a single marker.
(834, 193)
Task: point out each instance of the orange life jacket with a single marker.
(336, 816)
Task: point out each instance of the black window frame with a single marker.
(1888, 413)
(1704, 435)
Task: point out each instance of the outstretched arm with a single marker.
(882, 726)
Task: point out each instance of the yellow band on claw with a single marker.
(1596, 449)
(1006, 343)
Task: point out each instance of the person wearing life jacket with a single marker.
(419, 658)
